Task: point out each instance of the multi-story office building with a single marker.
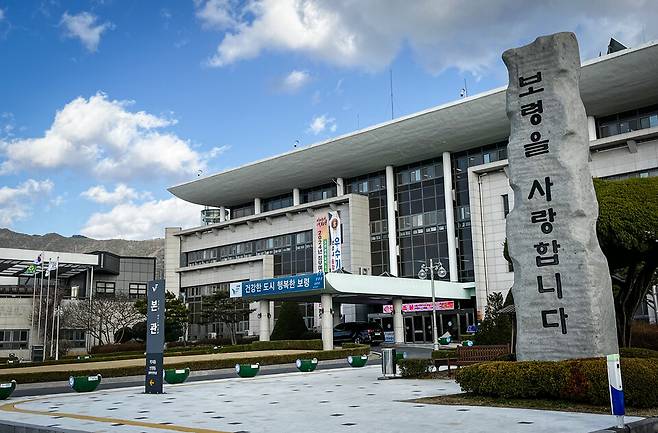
(431, 185)
(20, 286)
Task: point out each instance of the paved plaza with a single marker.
(340, 400)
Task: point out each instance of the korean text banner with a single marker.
(277, 286)
(335, 241)
(321, 244)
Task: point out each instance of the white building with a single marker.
(431, 185)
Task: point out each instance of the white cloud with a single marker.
(83, 26)
(215, 14)
(468, 35)
(122, 193)
(322, 123)
(102, 137)
(16, 203)
(294, 81)
(142, 221)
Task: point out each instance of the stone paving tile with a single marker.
(298, 402)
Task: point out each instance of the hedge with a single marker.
(444, 353)
(582, 381)
(415, 368)
(637, 352)
(187, 351)
(212, 364)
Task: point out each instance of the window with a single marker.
(242, 210)
(137, 290)
(505, 205)
(318, 193)
(76, 337)
(278, 202)
(628, 121)
(14, 338)
(105, 288)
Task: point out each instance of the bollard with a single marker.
(172, 376)
(616, 390)
(6, 389)
(357, 361)
(247, 370)
(85, 383)
(307, 365)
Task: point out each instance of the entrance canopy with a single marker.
(349, 288)
(14, 262)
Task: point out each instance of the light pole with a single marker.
(422, 274)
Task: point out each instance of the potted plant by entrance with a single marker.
(85, 383)
(357, 361)
(307, 365)
(6, 389)
(173, 376)
(247, 370)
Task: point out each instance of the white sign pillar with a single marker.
(398, 322)
(264, 318)
(327, 322)
(450, 217)
(391, 217)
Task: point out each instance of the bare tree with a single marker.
(220, 308)
(101, 317)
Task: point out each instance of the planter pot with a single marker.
(84, 383)
(307, 365)
(172, 376)
(6, 389)
(444, 341)
(84, 358)
(399, 356)
(467, 343)
(357, 361)
(247, 370)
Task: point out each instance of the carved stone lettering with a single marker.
(562, 288)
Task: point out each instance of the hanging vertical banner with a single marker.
(336, 241)
(155, 315)
(321, 244)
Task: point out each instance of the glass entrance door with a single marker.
(419, 329)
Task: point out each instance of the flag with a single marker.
(31, 269)
(39, 259)
(51, 265)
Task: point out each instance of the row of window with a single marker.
(633, 120)
(272, 245)
(108, 288)
(14, 339)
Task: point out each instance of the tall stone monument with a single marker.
(562, 288)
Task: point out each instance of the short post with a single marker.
(616, 390)
(327, 322)
(264, 317)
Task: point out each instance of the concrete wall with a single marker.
(172, 260)
(15, 313)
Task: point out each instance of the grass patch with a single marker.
(467, 399)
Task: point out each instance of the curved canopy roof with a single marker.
(609, 84)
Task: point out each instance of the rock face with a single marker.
(562, 288)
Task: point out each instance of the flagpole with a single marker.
(45, 320)
(34, 296)
(40, 300)
(52, 329)
(59, 313)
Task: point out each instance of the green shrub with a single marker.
(212, 364)
(131, 346)
(496, 328)
(584, 380)
(444, 353)
(415, 368)
(637, 352)
(290, 325)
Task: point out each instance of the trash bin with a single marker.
(389, 362)
(85, 383)
(6, 389)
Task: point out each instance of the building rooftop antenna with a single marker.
(463, 93)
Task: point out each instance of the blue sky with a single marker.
(104, 104)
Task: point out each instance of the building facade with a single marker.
(431, 185)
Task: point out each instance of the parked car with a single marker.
(359, 332)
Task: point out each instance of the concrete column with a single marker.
(264, 313)
(398, 322)
(392, 222)
(222, 214)
(272, 315)
(340, 187)
(257, 207)
(336, 308)
(591, 127)
(450, 216)
(327, 322)
(296, 200)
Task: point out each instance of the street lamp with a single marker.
(432, 269)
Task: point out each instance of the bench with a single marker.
(473, 355)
